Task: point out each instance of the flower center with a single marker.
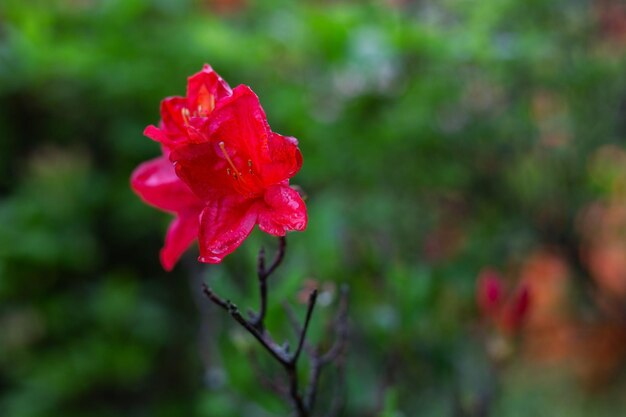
(206, 104)
(230, 161)
(242, 185)
(184, 112)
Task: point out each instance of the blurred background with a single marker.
(457, 154)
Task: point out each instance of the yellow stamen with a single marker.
(185, 113)
(206, 102)
(230, 161)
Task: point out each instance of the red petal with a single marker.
(224, 224)
(285, 157)
(284, 210)
(173, 122)
(155, 181)
(516, 309)
(240, 122)
(200, 166)
(180, 235)
(204, 89)
(156, 134)
(489, 292)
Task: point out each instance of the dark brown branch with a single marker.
(314, 377)
(307, 320)
(263, 274)
(294, 391)
(297, 328)
(303, 405)
(276, 351)
(214, 297)
(280, 254)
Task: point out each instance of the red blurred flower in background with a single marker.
(235, 171)
(506, 311)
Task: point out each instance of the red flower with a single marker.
(489, 292)
(235, 171)
(509, 313)
(241, 171)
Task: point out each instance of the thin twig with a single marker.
(280, 254)
(276, 351)
(255, 326)
(307, 320)
(314, 376)
(263, 274)
(214, 297)
(294, 391)
(297, 328)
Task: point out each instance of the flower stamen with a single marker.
(230, 161)
(206, 102)
(185, 113)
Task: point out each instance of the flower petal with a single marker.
(490, 292)
(224, 224)
(240, 122)
(156, 134)
(180, 235)
(155, 181)
(286, 159)
(283, 210)
(172, 120)
(204, 89)
(516, 310)
(202, 169)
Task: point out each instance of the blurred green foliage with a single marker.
(438, 137)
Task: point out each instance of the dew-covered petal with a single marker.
(224, 224)
(285, 159)
(283, 211)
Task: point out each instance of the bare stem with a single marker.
(263, 338)
(307, 320)
(303, 405)
(263, 274)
